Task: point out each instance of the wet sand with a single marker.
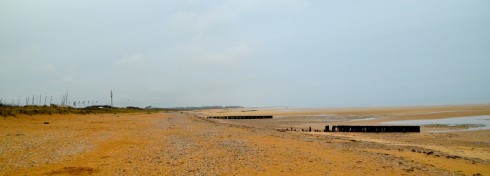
(183, 144)
(469, 144)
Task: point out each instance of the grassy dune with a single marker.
(7, 111)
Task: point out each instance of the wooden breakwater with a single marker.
(241, 117)
(361, 129)
(373, 129)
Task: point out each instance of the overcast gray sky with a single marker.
(248, 52)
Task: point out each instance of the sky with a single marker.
(253, 53)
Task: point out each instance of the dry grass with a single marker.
(13, 111)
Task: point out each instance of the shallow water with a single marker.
(472, 120)
(365, 119)
(433, 112)
(319, 115)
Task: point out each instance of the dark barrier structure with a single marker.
(327, 129)
(374, 129)
(240, 117)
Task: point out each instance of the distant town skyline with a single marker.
(252, 53)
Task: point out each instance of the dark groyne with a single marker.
(373, 129)
(361, 129)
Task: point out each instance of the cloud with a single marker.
(273, 6)
(68, 78)
(198, 22)
(231, 56)
(194, 24)
(131, 60)
(46, 68)
(228, 13)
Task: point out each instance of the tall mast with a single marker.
(112, 105)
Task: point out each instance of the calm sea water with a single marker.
(472, 120)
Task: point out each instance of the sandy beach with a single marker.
(176, 143)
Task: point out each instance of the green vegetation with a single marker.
(53, 109)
